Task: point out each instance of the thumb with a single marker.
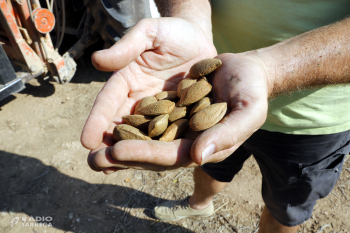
(139, 39)
(220, 141)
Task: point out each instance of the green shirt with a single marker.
(243, 25)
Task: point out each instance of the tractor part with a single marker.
(44, 20)
(9, 83)
(25, 39)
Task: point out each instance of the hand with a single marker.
(154, 55)
(242, 82)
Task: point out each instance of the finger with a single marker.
(108, 141)
(139, 39)
(218, 142)
(112, 96)
(144, 155)
(111, 170)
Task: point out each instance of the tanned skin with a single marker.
(316, 58)
(157, 53)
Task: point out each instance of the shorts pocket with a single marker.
(318, 180)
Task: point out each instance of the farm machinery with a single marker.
(32, 31)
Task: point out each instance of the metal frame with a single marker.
(9, 82)
(29, 48)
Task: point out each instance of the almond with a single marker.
(204, 67)
(158, 125)
(158, 108)
(144, 102)
(167, 95)
(208, 117)
(194, 93)
(128, 132)
(203, 103)
(177, 113)
(174, 131)
(202, 78)
(138, 121)
(185, 83)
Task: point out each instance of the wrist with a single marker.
(267, 63)
(204, 26)
(313, 59)
(196, 12)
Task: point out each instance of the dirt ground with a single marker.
(47, 186)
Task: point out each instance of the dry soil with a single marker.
(44, 175)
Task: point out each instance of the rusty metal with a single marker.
(44, 20)
(25, 26)
(28, 43)
(23, 52)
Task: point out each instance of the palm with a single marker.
(158, 61)
(241, 83)
(161, 65)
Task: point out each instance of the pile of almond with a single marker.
(158, 117)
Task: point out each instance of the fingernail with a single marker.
(107, 171)
(207, 152)
(99, 51)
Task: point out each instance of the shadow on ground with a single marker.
(7, 100)
(31, 187)
(43, 90)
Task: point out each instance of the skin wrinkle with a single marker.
(198, 53)
(157, 43)
(147, 26)
(199, 13)
(169, 54)
(160, 66)
(152, 34)
(141, 61)
(162, 57)
(133, 83)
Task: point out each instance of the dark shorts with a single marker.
(296, 170)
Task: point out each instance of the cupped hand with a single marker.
(243, 83)
(155, 55)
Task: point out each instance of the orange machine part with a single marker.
(44, 20)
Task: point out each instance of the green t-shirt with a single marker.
(243, 25)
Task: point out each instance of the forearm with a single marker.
(197, 12)
(316, 58)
